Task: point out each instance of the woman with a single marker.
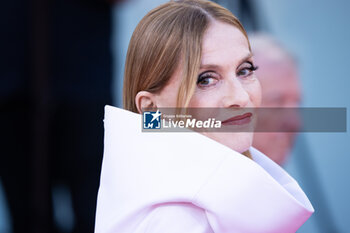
(191, 53)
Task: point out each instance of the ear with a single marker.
(145, 99)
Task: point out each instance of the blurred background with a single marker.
(62, 61)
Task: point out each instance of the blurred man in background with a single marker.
(279, 78)
(278, 75)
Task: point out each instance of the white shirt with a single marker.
(189, 183)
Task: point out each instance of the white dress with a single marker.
(188, 183)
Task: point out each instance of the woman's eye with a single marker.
(247, 69)
(206, 80)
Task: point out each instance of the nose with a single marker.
(235, 95)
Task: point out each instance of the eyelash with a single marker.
(207, 74)
(251, 68)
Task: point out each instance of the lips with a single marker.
(239, 120)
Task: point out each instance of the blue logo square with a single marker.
(152, 120)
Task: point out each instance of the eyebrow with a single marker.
(214, 66)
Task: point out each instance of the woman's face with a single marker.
(226, 79)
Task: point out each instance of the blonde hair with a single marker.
(167, 35)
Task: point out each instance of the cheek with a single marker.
(254, 91)
(208, 99)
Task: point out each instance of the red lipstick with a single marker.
(239, 120)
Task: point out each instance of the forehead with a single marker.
(223, 43)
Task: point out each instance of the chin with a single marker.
(239, 142)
